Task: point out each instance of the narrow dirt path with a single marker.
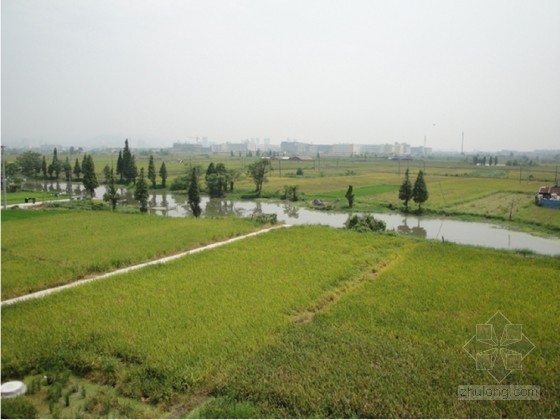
(163, 260)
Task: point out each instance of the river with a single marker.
(469, 233)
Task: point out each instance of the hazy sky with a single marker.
(319, 71)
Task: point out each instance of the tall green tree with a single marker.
(67, 168)
(29, 162)
(111, 195)
(141, 193)
(350, 196)
(77, 169)
(420, 190)
(216, 181)
(257, 171)
(57, 166)
(163, 174)
(44, 167)
(106, 172)
(90, 178)
(120, 166)
(152, 171)
(129, 170)
(405, 191)
(194, 194)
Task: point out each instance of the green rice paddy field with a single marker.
(300, 322)
(42, 249)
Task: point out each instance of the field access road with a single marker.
(163, 260)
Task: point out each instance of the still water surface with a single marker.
(469, 233)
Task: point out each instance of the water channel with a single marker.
(470, 233)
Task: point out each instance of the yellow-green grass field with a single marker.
(300, 322)
(42, 249)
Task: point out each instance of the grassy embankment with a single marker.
(42, 249)
(308, 321)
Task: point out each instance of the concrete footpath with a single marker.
(163, 260)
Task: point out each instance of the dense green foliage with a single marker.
(420, 190)
(365, 223)
(163, 174)
(90, 178)
(111, 195)
(405, 191)
(141, 192)
(18, 408)
(257, 172)
(152, 171)
(29, 163)
(41, 249)
(350, 196)
(194, 194)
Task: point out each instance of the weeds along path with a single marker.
(46, 292)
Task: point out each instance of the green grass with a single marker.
(393, 348)
(170, 328)
(301, 322)
(40, 252)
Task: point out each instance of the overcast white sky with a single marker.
(319, 71)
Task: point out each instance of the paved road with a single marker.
(46, 292)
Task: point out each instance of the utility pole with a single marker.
(462, 142)
(4, 190)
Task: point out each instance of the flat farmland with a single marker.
(300, 322)
(42, 249)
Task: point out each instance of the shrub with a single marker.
(18, 408)
(365, 223)
(179, 183)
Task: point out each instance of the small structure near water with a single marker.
(548, 197)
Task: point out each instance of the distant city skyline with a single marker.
(94, 72)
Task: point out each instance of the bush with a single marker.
(18, 408)
(179, 183)
(265, 218)
(365, 223)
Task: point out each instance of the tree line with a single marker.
(418, 193)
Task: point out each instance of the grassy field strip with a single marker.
(45, 249)
(46, 292)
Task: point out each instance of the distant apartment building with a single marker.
(400, 149)
(420, 151)
(234, 147)
(347, 149)
(371, 149)
(294, 147)
(190, 147)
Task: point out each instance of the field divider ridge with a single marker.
(163, 260)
